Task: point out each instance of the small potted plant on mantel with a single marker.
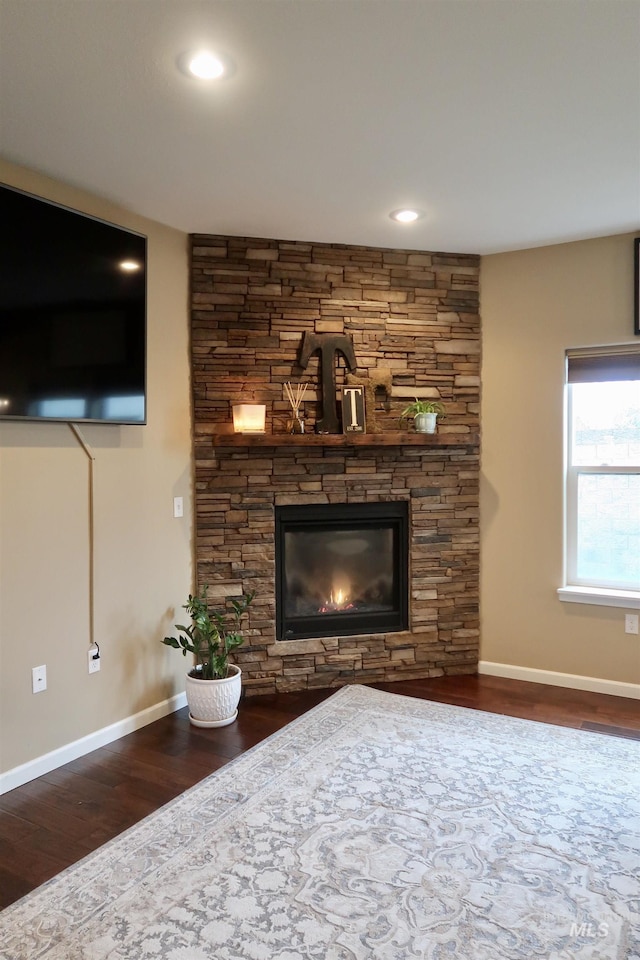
(424, 414)
(213, 685)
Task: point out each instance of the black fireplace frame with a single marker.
(352, 516)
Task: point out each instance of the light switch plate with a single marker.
(39, 679)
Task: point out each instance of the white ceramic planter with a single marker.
(214, 703)
(425, 422)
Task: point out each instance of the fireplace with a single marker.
(341, 569)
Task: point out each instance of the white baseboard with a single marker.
(571, 680)
(71, 751)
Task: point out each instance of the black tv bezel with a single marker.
(29, 418)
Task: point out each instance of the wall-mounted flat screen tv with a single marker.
(72, 315)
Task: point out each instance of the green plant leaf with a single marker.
(171, 642)
(423, 406)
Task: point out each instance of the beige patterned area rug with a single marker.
(375, 826)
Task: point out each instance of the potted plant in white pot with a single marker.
(424, 414)
(214, 685)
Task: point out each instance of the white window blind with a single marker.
(603, 469)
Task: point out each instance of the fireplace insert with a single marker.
(341, 569)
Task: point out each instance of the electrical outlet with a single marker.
(39, 679)
(93, 658)
(178, 507)
(631, 623)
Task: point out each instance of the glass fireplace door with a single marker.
(341, 569)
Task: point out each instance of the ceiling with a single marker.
(509, 123)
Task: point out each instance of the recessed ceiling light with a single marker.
(129, 266)
(406, 216)
(203, 64)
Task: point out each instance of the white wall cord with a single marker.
(91, 458)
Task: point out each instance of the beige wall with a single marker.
(535, 304)
(143, 557)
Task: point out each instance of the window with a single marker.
(603, 472)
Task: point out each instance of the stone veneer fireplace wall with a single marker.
(413, 313)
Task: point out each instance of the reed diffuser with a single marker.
(295, 423)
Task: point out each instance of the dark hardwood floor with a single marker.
(54, 821)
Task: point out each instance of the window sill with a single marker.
(630, 599)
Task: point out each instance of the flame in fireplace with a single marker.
(339, 599)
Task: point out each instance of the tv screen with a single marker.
(72, 315)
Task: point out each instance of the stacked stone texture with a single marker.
(413, 313)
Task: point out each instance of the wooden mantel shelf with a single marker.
(391, 439)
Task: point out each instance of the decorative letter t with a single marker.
(329, 344)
